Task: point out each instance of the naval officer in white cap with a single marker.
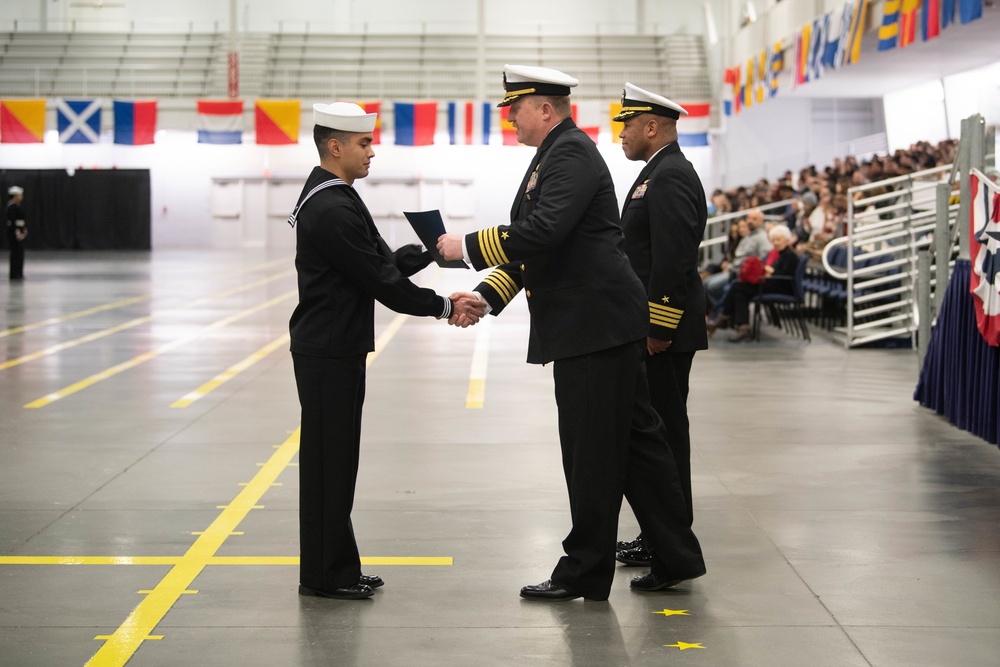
(564, 247)
(343, 267)
(664, 221)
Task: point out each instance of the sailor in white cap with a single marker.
(664, 221)
(343, 266)
(563, 246)
(17, 231)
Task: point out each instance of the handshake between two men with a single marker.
(467, 308)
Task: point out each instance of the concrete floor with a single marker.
(842, 523)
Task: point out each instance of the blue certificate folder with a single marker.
(429, 226)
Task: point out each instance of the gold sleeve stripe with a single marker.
(489, 242)
(664, 310)
(495, 237)
(669, 324)
(503, 284)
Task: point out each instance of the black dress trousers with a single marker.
(331, 393)
(670, 373)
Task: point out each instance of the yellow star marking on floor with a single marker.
(672, 612)
(684, 646)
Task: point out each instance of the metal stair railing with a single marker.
(888, 222)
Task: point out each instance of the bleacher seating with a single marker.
(315, 66)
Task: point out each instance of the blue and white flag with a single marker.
(79, 121)
(814, 61)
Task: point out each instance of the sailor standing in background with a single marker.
(343, 267)
(664, 221)
(17, 231)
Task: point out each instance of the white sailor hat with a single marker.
(635, 101)
(521, 80)
(15, 190)
(345, 116)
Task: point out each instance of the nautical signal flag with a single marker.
(415, 123)
(22, 121)
(469, 123)
(277, 121)
(888, 32)
(587, 116)
(616, 125)
(78, 121)
(507, 130)
(135, 122)
(931, 20)
(692, 129)
(374, 107)
(908, 22)
(220, 122)
(858, 10)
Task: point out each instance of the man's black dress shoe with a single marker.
(628, 545)
(372, 580)
(635, 557)
(355, 592)
(547, 591)
(651, 582)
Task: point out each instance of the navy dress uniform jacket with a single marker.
(344, 266)
(565, 236)
(664, 221)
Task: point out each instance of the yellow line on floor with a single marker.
(139, 625)
(73, 316)
(434, 561)
(480, 359)
(127, 302)
(73, 343)
(48, 399)
(385, 337)
(230, 373)
(136, 322)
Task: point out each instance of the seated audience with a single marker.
(778, 278)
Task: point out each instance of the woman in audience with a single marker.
(779, 278)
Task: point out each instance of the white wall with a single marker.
(790, 133)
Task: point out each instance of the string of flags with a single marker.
(277, 122)
(833, 41)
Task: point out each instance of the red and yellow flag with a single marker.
(616, 125)
(22, 121)
(507, 129)
(277, 121)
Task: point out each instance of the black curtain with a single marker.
(95, 209)
(961, 374)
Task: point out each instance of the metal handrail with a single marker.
(912, 204)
